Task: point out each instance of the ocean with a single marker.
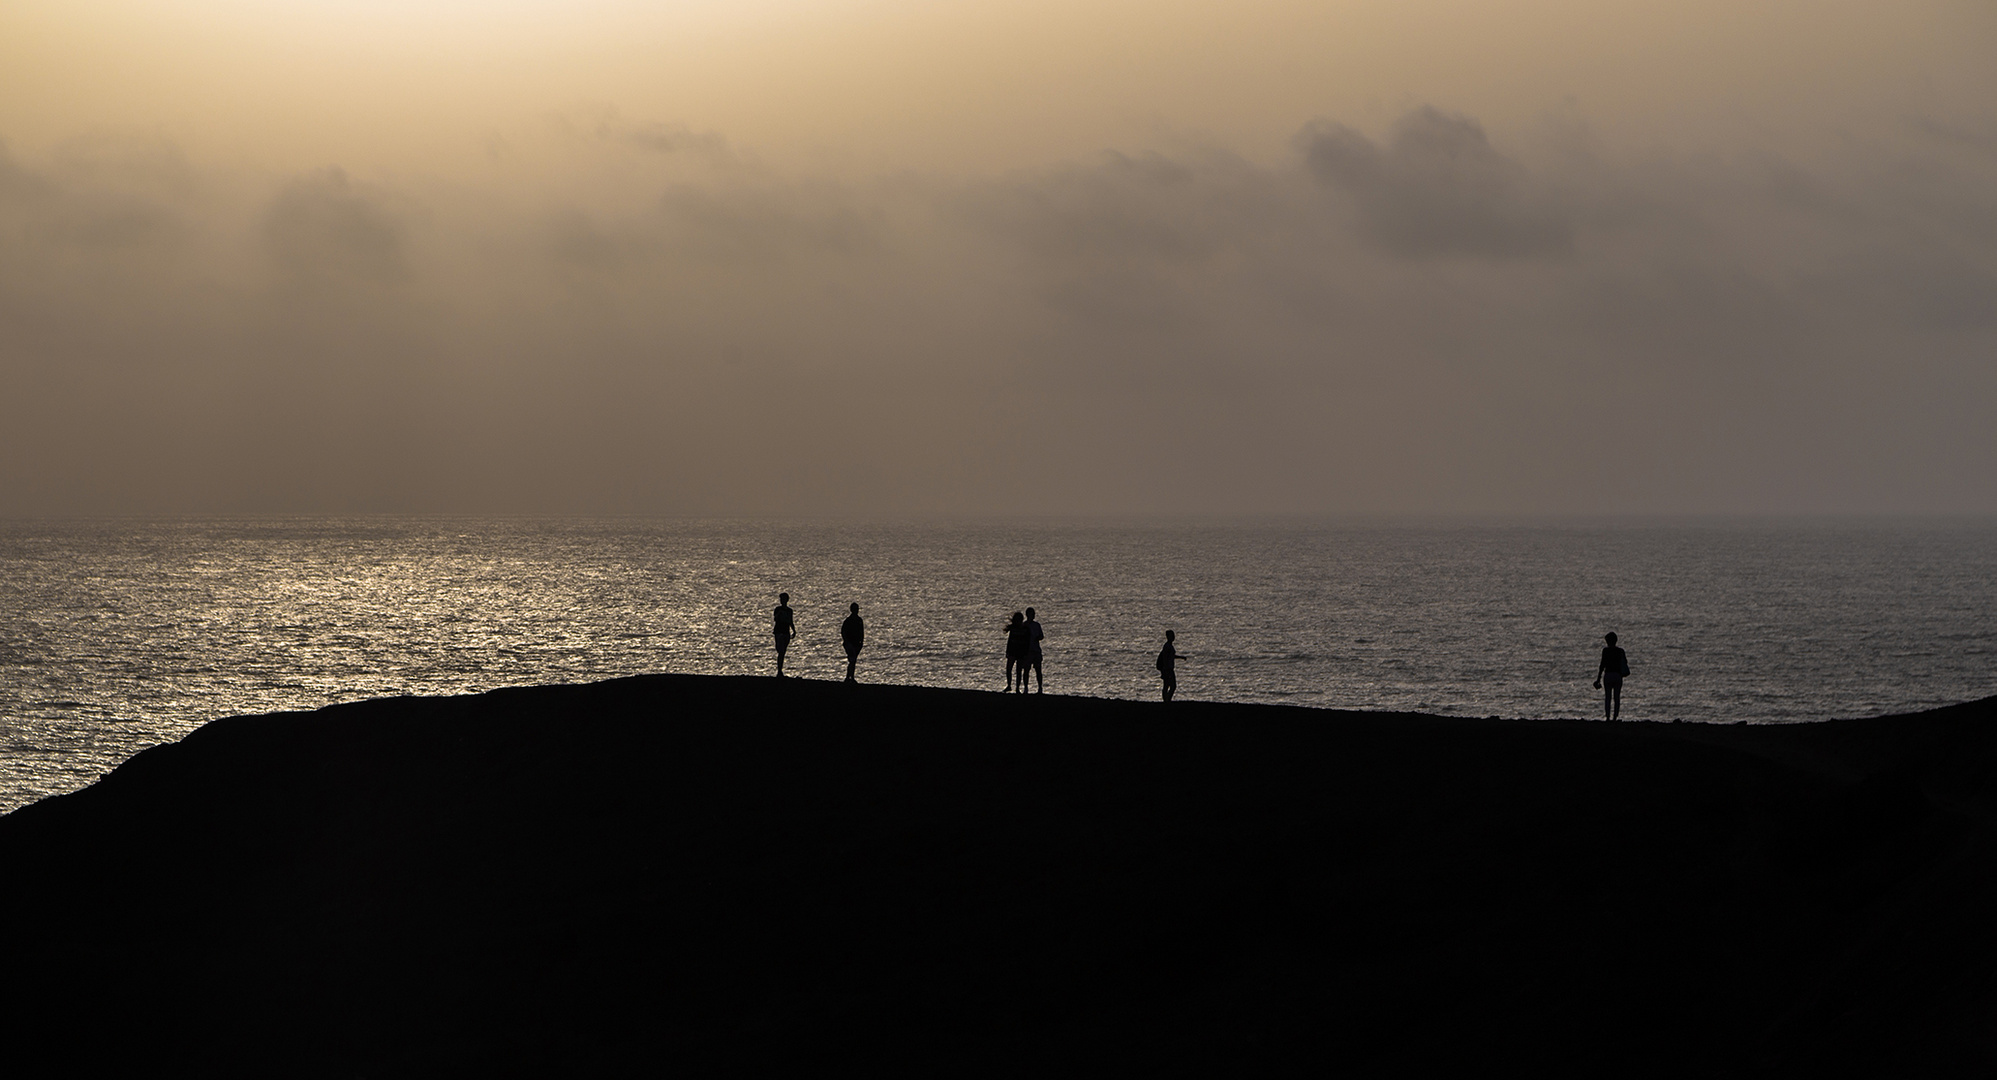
(119, 634)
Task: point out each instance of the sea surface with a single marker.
(116, 635)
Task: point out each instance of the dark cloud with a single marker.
(1437, 187)
(672, 142)
(323, 227)
(666, 138)
(758, 223)
(575, 238)
(1144, 208)
(104, 199)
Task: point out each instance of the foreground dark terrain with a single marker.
(681, 874)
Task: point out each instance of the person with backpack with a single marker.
(1609, 678)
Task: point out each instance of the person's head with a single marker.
(1169, 635)
(1017, 617)
(783, 598)
(1029, 613)
(1611, 638)
(856, 609)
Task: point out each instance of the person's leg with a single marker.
(1039, 680)
(1617, 712)
(1171, 684)
(781, 646)
(852, 661)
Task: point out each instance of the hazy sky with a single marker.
(880, 257)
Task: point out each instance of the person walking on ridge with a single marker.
(854, 633)
(785, 628)
(1167, 658)
(1015, 637)
(1033, 636)
(1609, 678)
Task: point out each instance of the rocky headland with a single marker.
(699, 875)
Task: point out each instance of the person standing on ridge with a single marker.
(1033, 637)
(1015, 637)
(1167, 658)
(784, 627)
(1609, 678)
(854, 633)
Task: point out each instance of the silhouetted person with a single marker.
(1609, 678)
(1015, 638)
(1167, 657)
(1033, 638)
(784, 628)
(854, 633)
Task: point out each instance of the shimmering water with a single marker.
(118, 635)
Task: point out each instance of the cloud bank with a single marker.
(622, 316)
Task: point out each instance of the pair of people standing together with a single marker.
(1022, 651)
(852, 634)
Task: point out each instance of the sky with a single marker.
(898, 259)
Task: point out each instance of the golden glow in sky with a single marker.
(895, 83)
(493, 254)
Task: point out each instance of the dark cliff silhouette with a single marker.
(685, 874)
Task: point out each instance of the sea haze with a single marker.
(122, 634)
